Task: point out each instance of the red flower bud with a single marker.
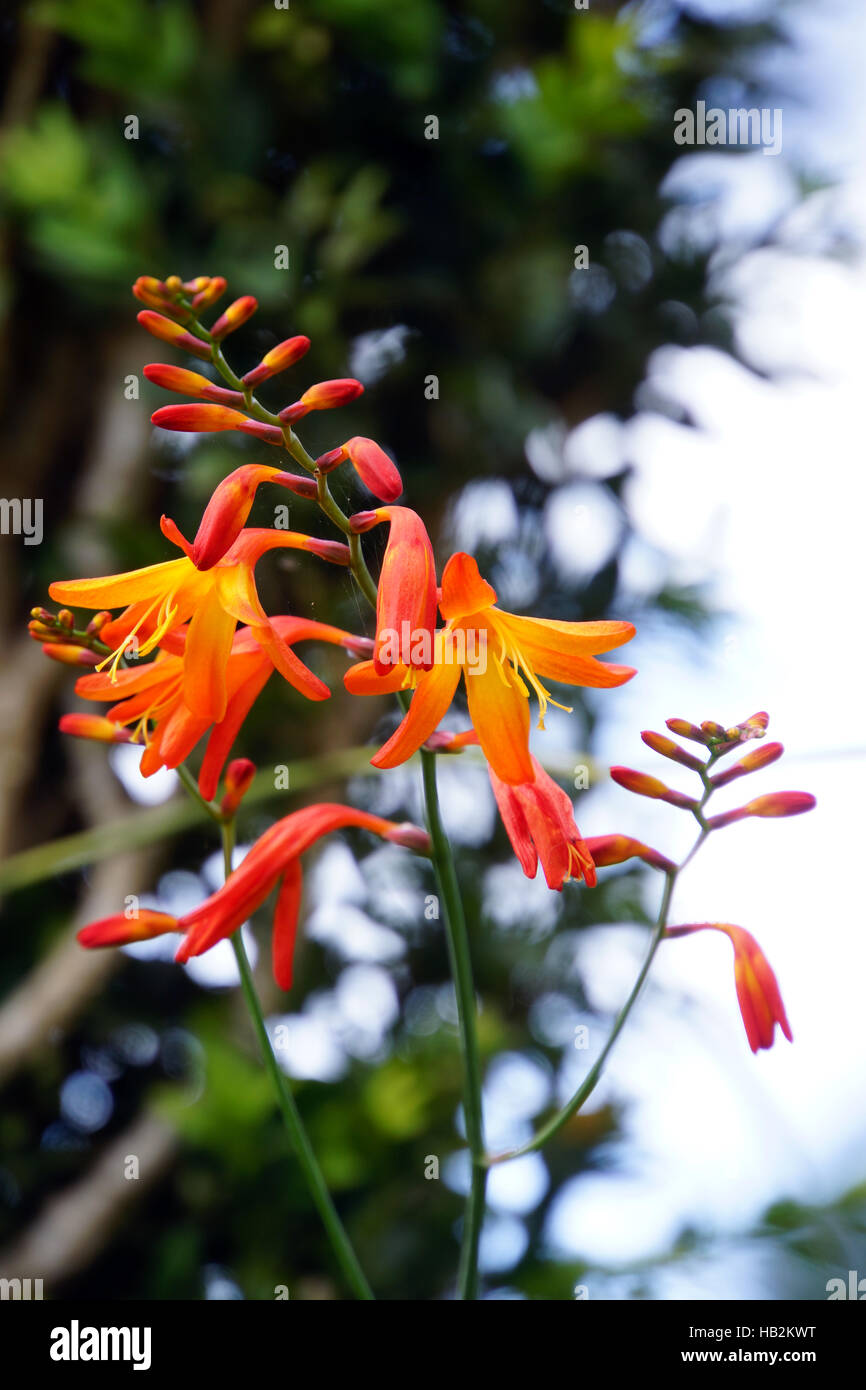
(239, 775)
(643, 785)
(279, 358)
(120, 930)
(191, 384)
(93, 726)
(752, 762)
(781, 804)
(326, 463)
(686, 730)
(375, 469)
(211, 418)
(154, 294)
(235, 315)
(70, 655)
(325, 395)
(210, 292)
(669, 749)
(616, 849)
(169, 332)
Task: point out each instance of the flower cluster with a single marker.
(181, 649)
(757, 990)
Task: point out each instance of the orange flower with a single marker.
(161, 597)
(230, 504)
(154, 694)
(406, 596)
(274, 857)
(539, 819)
(502, 657)
(757, 988)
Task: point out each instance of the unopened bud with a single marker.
(643, 785)
(375, 469)
(210, 293)
(70, 655)
(66, 619)
(713, 730)
(617, 849)
(235, 315)
(283, 356)
(324, 395)
(191, 384)
(752, 762)
(98, 622)
(668, 749)
(239, 776)
(213, 418)
(169, 332)
(43, 615)
(93, 726)
(686, 730)
(781, 804)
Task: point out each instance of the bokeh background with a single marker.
(672, 435)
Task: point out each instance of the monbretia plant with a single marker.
(178, 652)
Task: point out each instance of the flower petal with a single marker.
(499, 711)
(286, 923)
(463, 590)
(208, 645)
(565, 651)
(433, 695)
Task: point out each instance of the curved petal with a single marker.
(290, 667)
(364, 679)
(286, 923)
(433, 695)
(224, 734)
(463, 590)
(550, 645)
(499, 710)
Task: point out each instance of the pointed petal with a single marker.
(553, 648)
(433, 695)
(118, 590)
(463, 590)
(500, 716)
(208, 644)
(224, 734)
(290, 667)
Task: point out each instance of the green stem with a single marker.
(591, 1080)
(461, 969)
(340, 1243)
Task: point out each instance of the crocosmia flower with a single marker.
(757, 989)
(274, 858)
(406, 596)
(153, 695)
(539, 819)
(503, 659)
(159, 598)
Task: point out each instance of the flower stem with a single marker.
(340, 1243)
(461, 969)
(590, 1082)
